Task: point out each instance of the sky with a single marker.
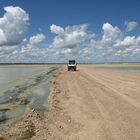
(54, 31)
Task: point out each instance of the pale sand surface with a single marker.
(88, 104)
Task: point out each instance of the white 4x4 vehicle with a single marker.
(72, 65)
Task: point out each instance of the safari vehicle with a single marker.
(72, 65)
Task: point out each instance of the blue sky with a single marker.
(90, 20)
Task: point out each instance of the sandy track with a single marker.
(92, 104)
(97, 105)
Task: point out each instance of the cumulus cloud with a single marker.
(2, 37)
(131, 25)
(71, 36)
(36, 39)
(110, 33)
(13, 26)
(127, 41)
(56, 29)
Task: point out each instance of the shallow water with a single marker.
(40, 94)
(14, 84)
(11, 74)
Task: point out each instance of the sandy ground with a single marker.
(88, 104)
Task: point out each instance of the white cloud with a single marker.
(2, 37)
(6, 50)
(131, 25)
(127, 41)
(56, 29)
(110, 34)
(138, 40)
(71, 36)
(13, 26)
(36, 39)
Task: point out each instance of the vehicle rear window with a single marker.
(72, 62)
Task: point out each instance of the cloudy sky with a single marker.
(58, 30)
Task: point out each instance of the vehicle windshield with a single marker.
(71, 61)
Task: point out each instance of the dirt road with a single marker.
(97, 105)
(92, 104)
